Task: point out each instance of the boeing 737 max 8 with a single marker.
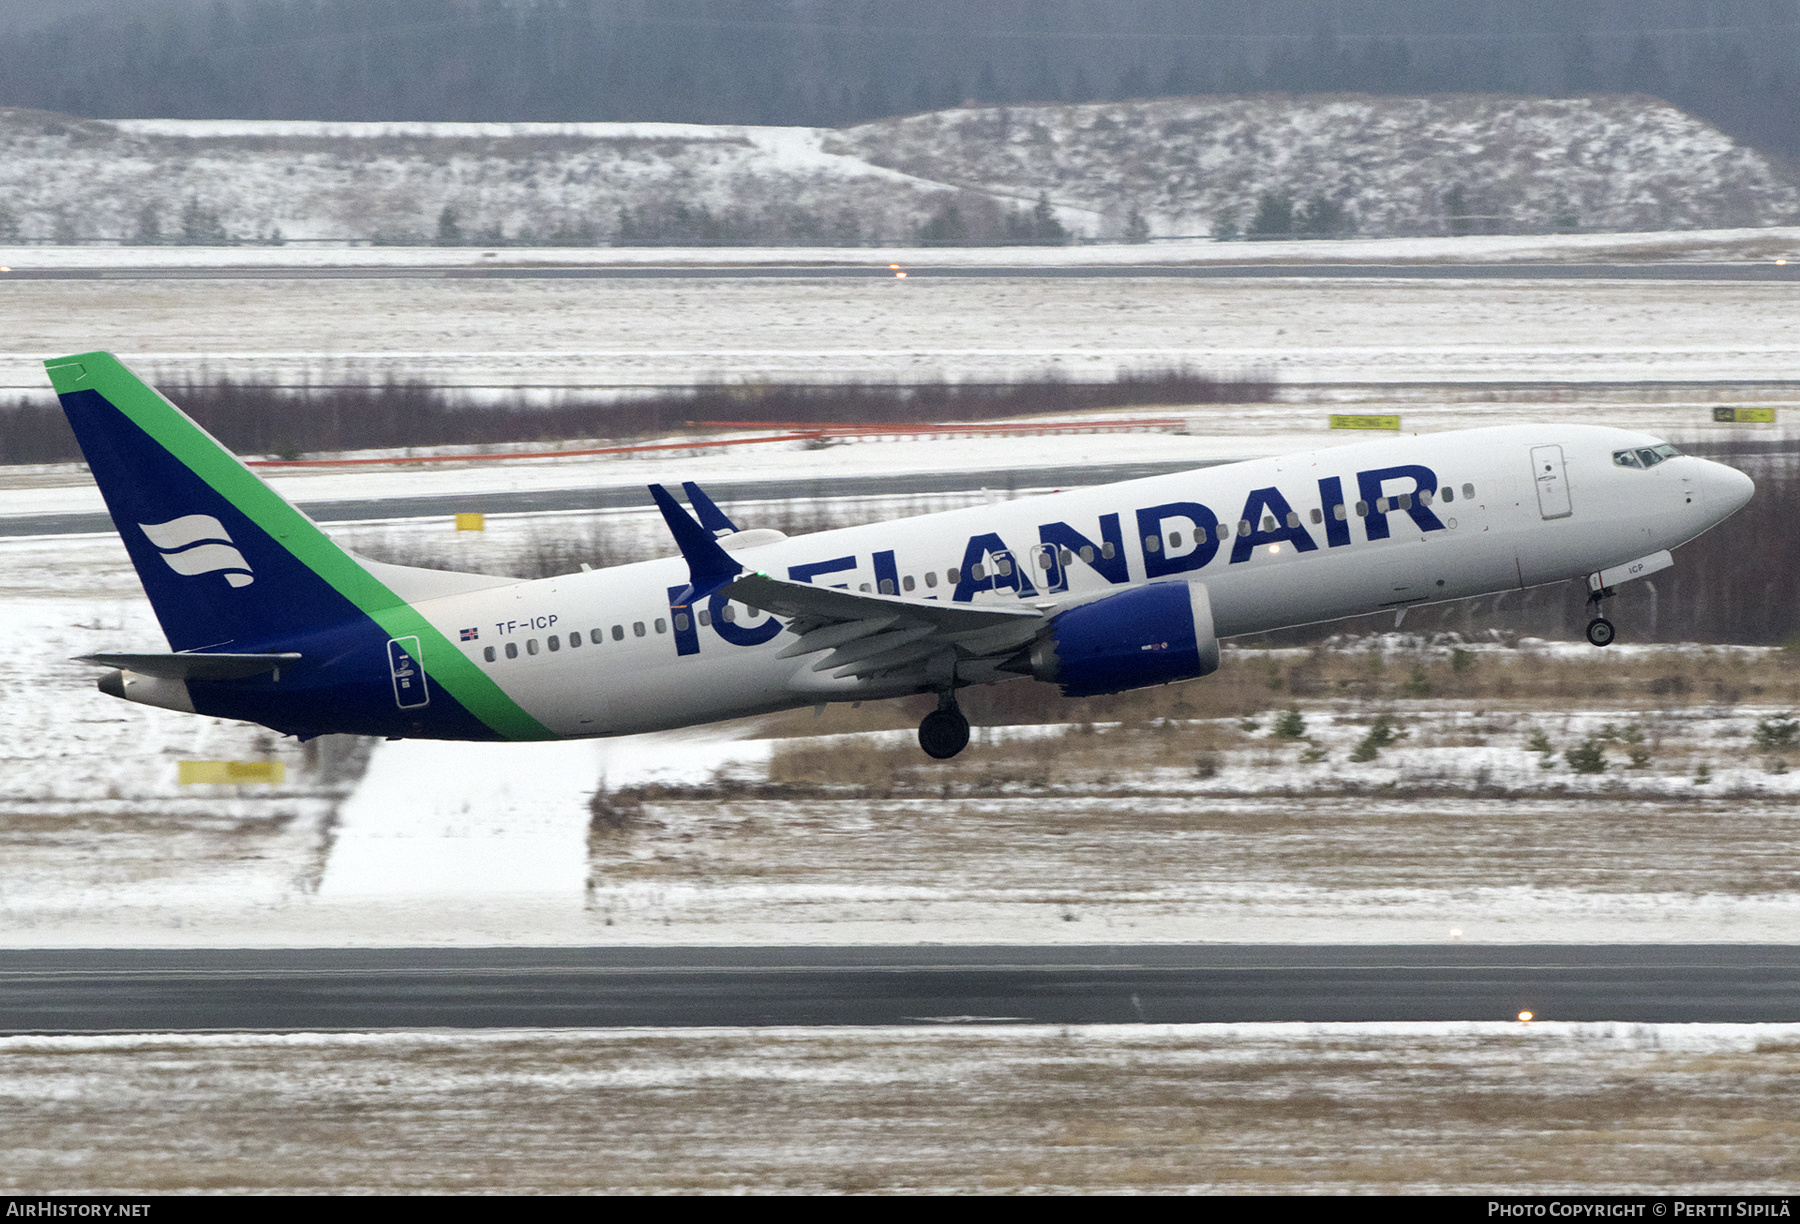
(1095, 590)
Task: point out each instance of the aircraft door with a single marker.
(1002, 571)
(410, 691)
(1552, 482)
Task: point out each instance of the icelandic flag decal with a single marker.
(469, 635)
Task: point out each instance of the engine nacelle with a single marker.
(1148, 635)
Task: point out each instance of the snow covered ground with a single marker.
(1537, 164)
(1613, 162)
(601, 336)
(1752, 245)
(491, 843)
(1174, 827)
(1470, 1108)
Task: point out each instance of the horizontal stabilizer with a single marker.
(193, 666)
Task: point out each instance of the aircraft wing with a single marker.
(871, 634)
(866, 635)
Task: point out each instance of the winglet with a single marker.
(711, 517)
(709, 566)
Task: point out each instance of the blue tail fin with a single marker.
(231, 566)
(223, 558)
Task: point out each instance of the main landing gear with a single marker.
(1600, 631)
(944, 732)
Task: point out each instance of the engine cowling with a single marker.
(1148, 635)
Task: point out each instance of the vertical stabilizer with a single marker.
(227, 562)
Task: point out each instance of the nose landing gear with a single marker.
(1600, 631)
(944, 732)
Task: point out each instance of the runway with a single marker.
(881, 271)
(89, 991)
(625, 497)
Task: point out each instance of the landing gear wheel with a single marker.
(944, 733)
(1600, 631)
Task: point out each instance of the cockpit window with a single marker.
(1644, 456)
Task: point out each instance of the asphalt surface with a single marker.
(538, 501)
(1522, 271)
(87, 991)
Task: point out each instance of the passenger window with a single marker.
(1003, 566)
(887, 586)
(907, 583)
(1362, 509)
(596, 636)
(1068, 558)
(1224, 531)
(637, 628)
(978, 572)
(1087, 554)
(705, 616)
(512, 650)
(1174, 539)
(1404, 501)
(1340, 512)
(864, 588)
(1447, 493)
(1424, 497)
(1268, 522)
(575, 639)
(1106, 550)
(1318, 516)
(487, 652)
(554, 641)
(618, 633)
(953, 575)
(1152, 544)
(728, 613)
(1468, 491)
(1293, 520)
(662, 626)
(931, 578)
(530, 646)
(1381, 505)
(1243, 527)
(681, 622)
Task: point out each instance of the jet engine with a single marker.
(1148, 635)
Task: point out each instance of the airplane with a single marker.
(1095, 590)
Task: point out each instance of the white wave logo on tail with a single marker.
(199, 544)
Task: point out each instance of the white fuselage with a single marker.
(1508, 521)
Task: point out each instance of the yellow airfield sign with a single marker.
(1365, 422)
(213, 772)
(1744, 416)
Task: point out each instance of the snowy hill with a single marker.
(1606, 162)
(1388, 165)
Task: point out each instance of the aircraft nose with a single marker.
(1727, 489)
